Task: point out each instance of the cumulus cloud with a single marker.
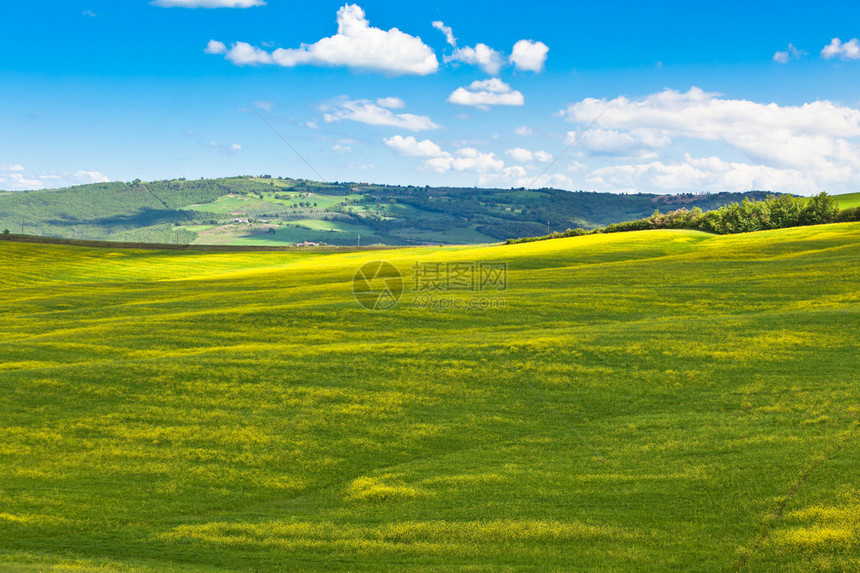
(486, 93)
(529, 56)
(836, 49)
(441, 161)
(481, 55)
(516, 176)
(244, 54)
(449, 33)
(787, 148)
(391, 102)
(16, 178)
(215, 47)
(467, 159)
(614, 143)
(228, 149)
(791, 53)
(411, 147)
(526, 156)
(12, 178)
(208, 3)
(366, 111)
(700, 174)
(489, 168)
(524, 131)
(812, 134)
(356, 45)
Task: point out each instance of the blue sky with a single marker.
(688, 97)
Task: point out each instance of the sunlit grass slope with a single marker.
(848, 200)
(663, 400)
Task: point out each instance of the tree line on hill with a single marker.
(774, 212)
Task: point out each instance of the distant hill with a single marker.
(277, 211)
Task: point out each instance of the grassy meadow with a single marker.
(649, 401)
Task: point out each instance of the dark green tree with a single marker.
(820, 209)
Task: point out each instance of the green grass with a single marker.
(322, 201)
(455, 236)
(848, 200)
(652, 401)
(291, 234)
(229, 204)
(336, 226)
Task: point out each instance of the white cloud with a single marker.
(486, 93)
(365, 111)
(529, 56)
(230, 149)
(89, 13)
(244, 54)
(613, 143)
(791, 53)
(215, 47)
(781, 57)
(15, 178)
(787, 148)
(264, 105)
(441, 161)
(12, 178)
(90, 177)
(208, 3)
(699, 174)
(836, 49)
(520, 154)
(468, 159)
(481, 55)
(812, 134)
(517, 177)
(391, 102)
(449, 33)
(524, 131)
(525, 156)
(411, 147)
(356, 45)
(341, 148)
(490, 169)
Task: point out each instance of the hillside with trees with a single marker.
(282, 211)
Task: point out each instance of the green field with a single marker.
(649, 401)
(848, 200)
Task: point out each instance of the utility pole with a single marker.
(359, 240)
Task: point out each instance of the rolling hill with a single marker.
(655, 400)
(274, 211)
